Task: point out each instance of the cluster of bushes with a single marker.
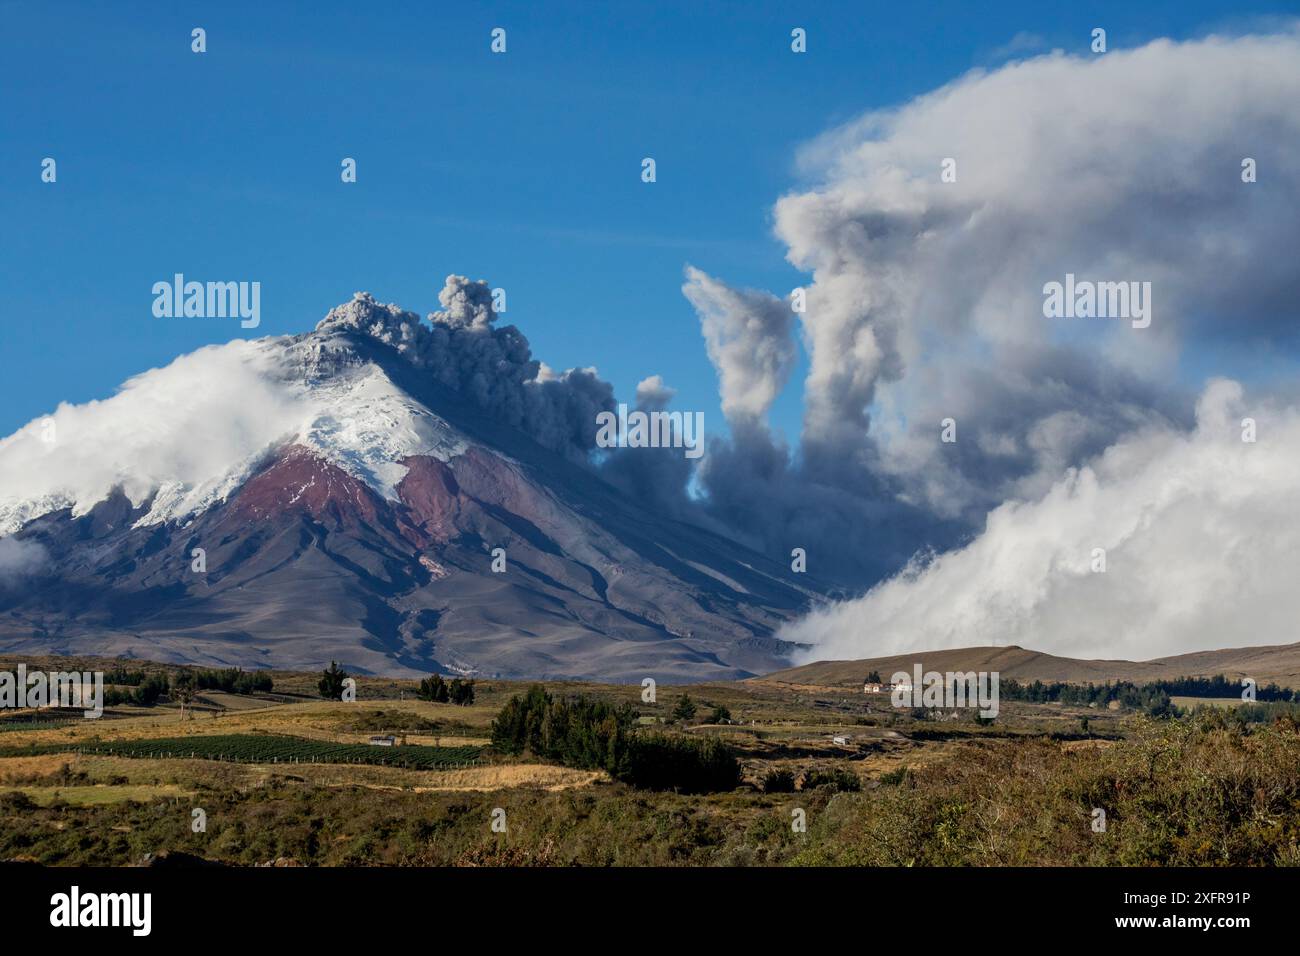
(593, 734)
(574, 731)
(439, 691)
(1243, 717)
(684, 710)
(778, 780)
(684, 764)
(150, 689)
(838, 779)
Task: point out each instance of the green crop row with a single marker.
(260, 748)
(12, 723)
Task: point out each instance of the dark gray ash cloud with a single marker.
(463, 349)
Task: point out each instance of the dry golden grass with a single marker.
(482, 779)
(232, 702)
(99, 794)
(1073, 745)
(15, 770)
(511, 776)
(318, 720)
(41, 772)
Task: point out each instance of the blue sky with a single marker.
(523, 169)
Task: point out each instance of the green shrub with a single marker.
(837, 778)
(892, 778)
(684, 764)
(778, 781)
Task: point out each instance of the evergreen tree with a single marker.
(461, 692)
(434, 689)
(150, 689)
(684, 708)
(331, 682)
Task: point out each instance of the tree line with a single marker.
(147, 689)
(1152, 696)
(434, 688)
(234, 681)
(439, 691)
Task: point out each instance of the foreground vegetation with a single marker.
(1178, 793)
(725, 774)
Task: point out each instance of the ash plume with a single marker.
(463, 349)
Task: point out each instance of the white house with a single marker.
(874, 687)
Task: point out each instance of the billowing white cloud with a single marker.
(926, 299)
(180, 427)
(652, 394)
(1198, 532)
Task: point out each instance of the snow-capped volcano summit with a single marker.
(343, 494)
(187, 435)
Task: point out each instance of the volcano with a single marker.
(364, 493)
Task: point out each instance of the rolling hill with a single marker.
(1278, 664)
